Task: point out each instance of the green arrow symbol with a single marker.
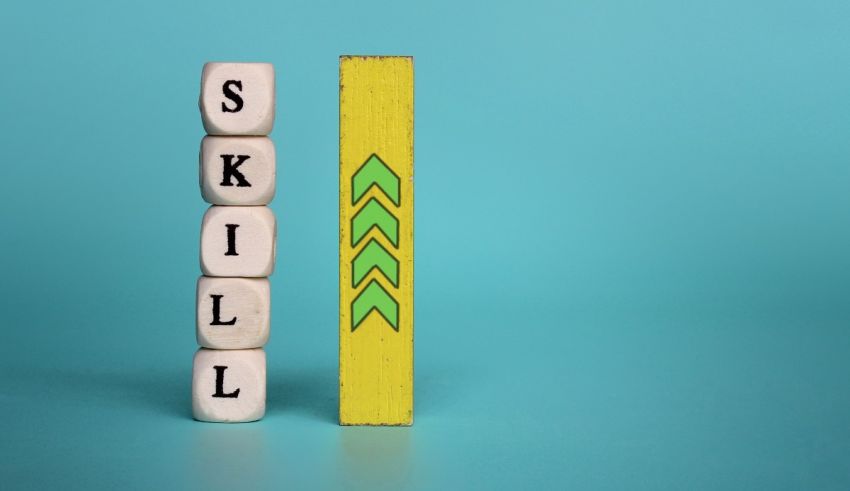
(373, 214)
(374, 172)
(370, 257)
(374, 297)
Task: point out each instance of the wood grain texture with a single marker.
(376, 240)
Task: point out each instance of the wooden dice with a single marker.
(232, 313)
(237, 172)
(229, 386)
(238, 241)
(237, 98)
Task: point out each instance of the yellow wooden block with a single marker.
(375, 240)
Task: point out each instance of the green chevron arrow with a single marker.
(371, 257)
(374, 172)
(374, 297)
(373, 214)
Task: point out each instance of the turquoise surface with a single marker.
(633, 246)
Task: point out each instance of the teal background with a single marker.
(632, 244)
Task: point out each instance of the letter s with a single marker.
(233, 96)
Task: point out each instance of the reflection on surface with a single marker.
(375, 456)
(229, 455)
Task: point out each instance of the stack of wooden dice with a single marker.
(237, 177)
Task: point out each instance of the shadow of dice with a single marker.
(238, 241)
(237, 98)
(229, 386)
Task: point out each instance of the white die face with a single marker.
(237, 170)
(237, 98)
(229, 386)
(238, 241)
(233, 313)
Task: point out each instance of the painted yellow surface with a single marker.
(375, 358)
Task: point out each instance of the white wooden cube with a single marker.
(233, 313)
(229, 386)
(237, 170)
(237, 98)
(238, 241)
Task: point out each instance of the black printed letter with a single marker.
(219, 384)
(233, 96)
(230, 171)
(231, 239)
(217, 313)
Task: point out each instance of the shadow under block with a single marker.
(237, 170)
(238, 241)
(376, 240)
(233, 313)
(237, 98)
(229, 386)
